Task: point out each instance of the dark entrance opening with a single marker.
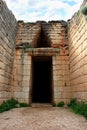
(42, 80)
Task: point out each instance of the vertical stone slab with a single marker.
(27, 77)
(22, 75)
(61, 83)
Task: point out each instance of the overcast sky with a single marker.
(33, 10)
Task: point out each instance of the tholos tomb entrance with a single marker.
(42, 79)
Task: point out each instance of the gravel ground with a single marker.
(47, 118)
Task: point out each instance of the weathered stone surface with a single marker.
(77, 33)
(8, 26)
(54, 32)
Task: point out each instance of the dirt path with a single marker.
(48, 118)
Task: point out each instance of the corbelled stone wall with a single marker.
(27, 33)
(55, 32)
(55, 36)
(7, 45)
(77, 35)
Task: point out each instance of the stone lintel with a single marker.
(42, 51)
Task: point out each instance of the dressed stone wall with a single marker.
(29, 34)
(7, 45)
(77, 35)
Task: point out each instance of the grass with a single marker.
(23, 105)
(61, 104)
(78, 107)
(10, 104)
(54, 104)
(84, 10)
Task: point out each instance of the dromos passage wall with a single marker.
(8, 26)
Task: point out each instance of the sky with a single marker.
(44, 10)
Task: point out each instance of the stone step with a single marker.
(37, 105)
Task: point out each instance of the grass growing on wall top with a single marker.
(84, 10)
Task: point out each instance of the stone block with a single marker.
(19, 95)
(25, 89)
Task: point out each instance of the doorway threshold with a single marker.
(41, 105)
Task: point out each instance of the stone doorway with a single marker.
(42, 79)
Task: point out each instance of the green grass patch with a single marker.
(23, 105)
(10, 104)
(61, 104)
(54, 104)
(84, 10)
(78, 107)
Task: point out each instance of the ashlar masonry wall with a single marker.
(55, 32)
(61, 80)
(77, 35)
(21, 76)
(27, 34)
(8, 26)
